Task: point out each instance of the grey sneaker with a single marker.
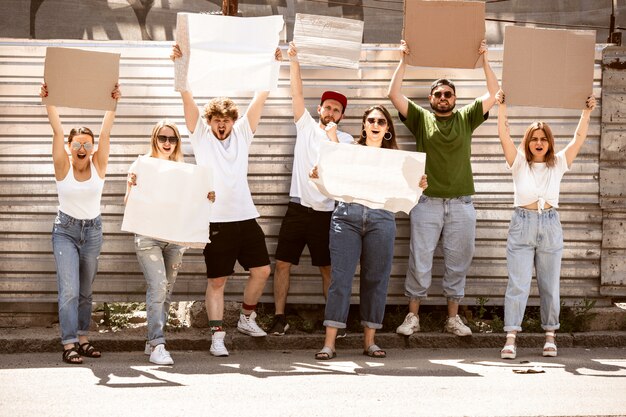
(247, 325)
(161, 356)
(410, 325)
(455, 326)
(341, 333)
(217, 344)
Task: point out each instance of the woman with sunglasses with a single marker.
(77, 231)
(535, 237)
(361, 233)
(159, 260)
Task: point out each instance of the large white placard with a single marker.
(328, 41)
(170, 202)
(222, 54)
(374, 177)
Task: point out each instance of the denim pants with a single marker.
(454, 221)
(76, 245)
(159, 262)
(359, 233)
(535, 240)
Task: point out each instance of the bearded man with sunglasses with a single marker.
(445, 210)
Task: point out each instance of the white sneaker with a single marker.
(247, 325)
(217, 344)
(160, 356)
(410, 325)
(148, 349)
(455, 325)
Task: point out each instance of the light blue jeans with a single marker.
(454, 221)
(159, 262)
(359, 233)
(76, 245)
(535, 240)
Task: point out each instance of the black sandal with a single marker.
(88, 350)
(72, 356)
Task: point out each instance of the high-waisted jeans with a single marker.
(159, 262)
(535, 240)
(359, 233)
(76, 245)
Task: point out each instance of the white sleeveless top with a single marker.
(81, 200)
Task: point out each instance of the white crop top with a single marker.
(81, 200)
(537, 182)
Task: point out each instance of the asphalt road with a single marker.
(410, 382)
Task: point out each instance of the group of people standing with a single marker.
(338, 235)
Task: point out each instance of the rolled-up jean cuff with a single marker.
(454, 299)
(72, 340)
(335, 324)
(550, 327)
(415, 298)
(371, 325)
(512, 329)
(156, 342)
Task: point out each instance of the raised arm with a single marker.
(297, 96)
(572, 148)
(189, 105)
(488, 99)
(256, 105)
(399, 100)
(101, 156)
(510, 151)
(60, 158)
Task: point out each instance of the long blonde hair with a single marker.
(550, 157)
(177, 155)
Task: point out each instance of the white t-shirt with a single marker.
(305, 156)
(537, 182)
(80, 199)
(233, 201)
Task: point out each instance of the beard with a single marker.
(327, 119)
(442, 108)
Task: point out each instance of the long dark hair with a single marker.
(389, 144)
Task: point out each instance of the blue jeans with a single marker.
(535, 240)
(358, 232)
(76, 245)
(454, 221)
(159, 262)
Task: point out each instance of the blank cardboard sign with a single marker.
(314, 34)
(548, 67)
(81, 79)
(444, 34)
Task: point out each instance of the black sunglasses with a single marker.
(380, 122)
(171, 139)
(446, 94)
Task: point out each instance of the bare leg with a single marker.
(214, 298)
(281, 285)
(254, 287)
(325, 271)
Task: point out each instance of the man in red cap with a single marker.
(307, 221)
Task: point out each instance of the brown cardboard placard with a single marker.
(81, 79)
(444, 34)
(313, 34)
(548, 67)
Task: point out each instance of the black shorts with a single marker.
(304, 226)
(242, 241)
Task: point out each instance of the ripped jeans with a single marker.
(159, 262)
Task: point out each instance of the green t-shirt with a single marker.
(447, 143)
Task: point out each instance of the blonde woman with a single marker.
(159, 260)
(535, 235)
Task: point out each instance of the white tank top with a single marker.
(81, 200)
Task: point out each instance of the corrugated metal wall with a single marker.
(28, 194)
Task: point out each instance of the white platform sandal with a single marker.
(509, 351)
(549, 349)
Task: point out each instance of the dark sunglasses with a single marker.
(77, 145)
(380, 122)
(446, 94)
(171, 139)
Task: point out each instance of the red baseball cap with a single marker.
(335, 95)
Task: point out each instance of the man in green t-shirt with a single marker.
(445, 210)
